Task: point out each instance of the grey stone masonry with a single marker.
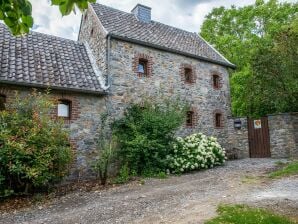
(165, 79)
(283, 129)
(238, 139)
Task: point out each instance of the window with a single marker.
(91, 32)
(86, 16)
(2, 102)
(216, 81)
(188, 75)
(218, 118)
(189, 118)
(143, 67)
(64, 109)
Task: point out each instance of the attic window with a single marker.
(218, 120)
(190, 118)
(2, 102)
(143, 67)
(64, 109)
(216, 81)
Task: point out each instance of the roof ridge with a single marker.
(44, 34)
(154, 21)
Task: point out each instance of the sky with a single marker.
(185, 14)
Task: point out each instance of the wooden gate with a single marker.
(258, 136)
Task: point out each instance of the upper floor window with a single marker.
(189, 118)
(2, 102)
(64, 109)
(92, 32)
(216, 81)
(187, 73)
(143, 67)
(218, 120)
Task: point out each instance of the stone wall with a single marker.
(83, 125)
(165, 79)
(283, 129)
(93, 33)
(238, 139)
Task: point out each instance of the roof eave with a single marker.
(127, 39)
(59, 88)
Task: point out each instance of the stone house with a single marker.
(118, 58)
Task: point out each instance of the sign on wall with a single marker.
(257, 124)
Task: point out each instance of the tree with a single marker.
(17, 14)
(275, 72)
(239, 33)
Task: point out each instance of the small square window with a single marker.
(142, 67)
(189, 118)
(64, 109)
(216, 82)
(218, 118)
(2, 102)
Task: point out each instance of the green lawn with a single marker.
(289, 169)
(241, 214)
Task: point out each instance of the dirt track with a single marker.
(190, 198)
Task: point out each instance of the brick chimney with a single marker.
(142, 13)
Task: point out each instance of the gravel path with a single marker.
(190, 198)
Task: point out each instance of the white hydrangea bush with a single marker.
(195, 152)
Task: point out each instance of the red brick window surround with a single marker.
(2, 102)
(64, 109)
(218, 119)
(188, 74)
(216, 81)
(191, 118)
(142, 65)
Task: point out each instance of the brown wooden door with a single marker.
(258, 136)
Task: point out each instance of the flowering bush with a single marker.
(195, 152)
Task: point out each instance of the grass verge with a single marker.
(290, 169)
(242, 214)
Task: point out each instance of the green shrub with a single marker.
(194, 152)
(146, 132)
(123, 175)
(34, 149)
(106, 149)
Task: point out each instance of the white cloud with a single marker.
(184, 14)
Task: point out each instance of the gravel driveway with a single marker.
(190, 198)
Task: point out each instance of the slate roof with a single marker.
(126, 25)
(43, 60)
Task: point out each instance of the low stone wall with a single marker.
(238, 139)
(283, 129)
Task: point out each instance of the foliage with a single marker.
(289, 169)
(146, 132)
(106, 150)
(34, 149)
(194, 152)
(243, 35)
(123, 175)
(241, 214)
(17, 14)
